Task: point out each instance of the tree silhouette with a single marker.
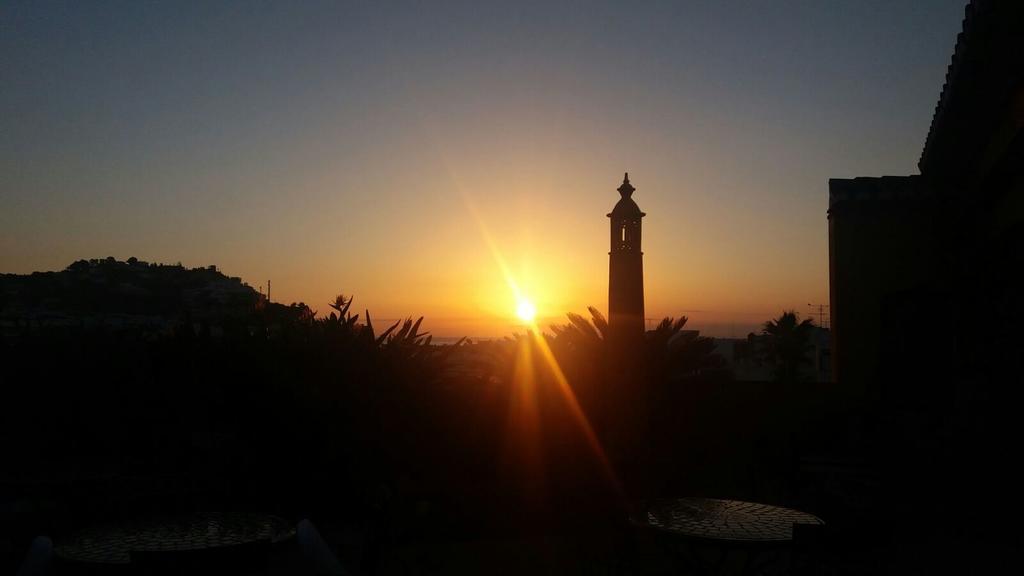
(785, 344)
(669, 350)
(631, 390)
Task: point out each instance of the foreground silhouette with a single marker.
(392, 444)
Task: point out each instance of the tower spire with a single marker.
(626, 266)
(626, 189)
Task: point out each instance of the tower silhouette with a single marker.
(626, 266)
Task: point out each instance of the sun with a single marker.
(526, 311)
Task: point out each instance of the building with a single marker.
(626, 266)
(925, 270)
(926, 283)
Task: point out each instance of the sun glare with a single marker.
(526, 311)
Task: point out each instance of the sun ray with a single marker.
(574, 406)
(524, 446)
(537, 338)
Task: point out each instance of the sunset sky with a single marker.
(398, 152)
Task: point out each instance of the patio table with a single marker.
(725, 526)
(117, 543)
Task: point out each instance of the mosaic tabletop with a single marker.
(731, 520)
(114, 543)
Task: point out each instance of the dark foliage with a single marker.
(287, 411)
(785, 345)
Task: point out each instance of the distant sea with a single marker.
(454, 339)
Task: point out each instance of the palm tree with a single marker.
(632, 394)
(668, 349)
(785, 343)
(402, 342)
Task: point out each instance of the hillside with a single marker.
(132, 291)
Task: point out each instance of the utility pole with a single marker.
(268, 290)
(821, 313)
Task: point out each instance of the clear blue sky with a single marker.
(370, 147)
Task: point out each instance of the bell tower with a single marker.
(626, 267)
